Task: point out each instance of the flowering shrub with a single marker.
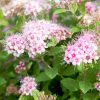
(49, 50)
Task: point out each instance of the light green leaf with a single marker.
(52, 42)
(85, 86)
(52, 72)
(73, 7)
(75, 29)
(35, 94)
(25, 97)
(80, 67)
(59, 11)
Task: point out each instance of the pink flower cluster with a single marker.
(33, 39)
(15, 45)
(84, 50)
(36, 32)
(20, 67)
(34, 44)
(28, 84)
(32, 8)
(28, 7)
(90, 7)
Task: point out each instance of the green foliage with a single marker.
(85, 86)
(70, 84)
(52, 74)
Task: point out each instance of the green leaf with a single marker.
(42, 77)
(80, 67)
(70, 84)
(3, 21)
(73, 98)
(35, 94)
(91, 96)
(75, 29)
(52, 72)
(73, 7)
(2, 81)
(81, 8)
(85, 86)
(3, 56)
(59, 11)
(52, 42)
(36, 70)
(25, 98)
(29, 65)
(56, 50)
(70, 70)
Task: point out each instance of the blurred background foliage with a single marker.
(52, 74)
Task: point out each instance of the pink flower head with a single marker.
(28, 84)
(34, 36)
(97, 86)
(35, 44)
(15, 45)
(20, 67)
(90, 7)
(83, 50)
(36, 32)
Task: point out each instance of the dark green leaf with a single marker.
(2, 81)
(42, 77)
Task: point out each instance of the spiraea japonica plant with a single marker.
(49, 50)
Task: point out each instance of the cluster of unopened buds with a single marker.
(20, 67)
(28, 84)
(11, 89)
(83, 50)
(33, 39)
(97, 84)
(43, 96)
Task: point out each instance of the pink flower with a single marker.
(28, 84)
(90, 7)
(97, 86)
(15, 45)
(34, 35)
(83, 50)
(36, 32)
(20, 67)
